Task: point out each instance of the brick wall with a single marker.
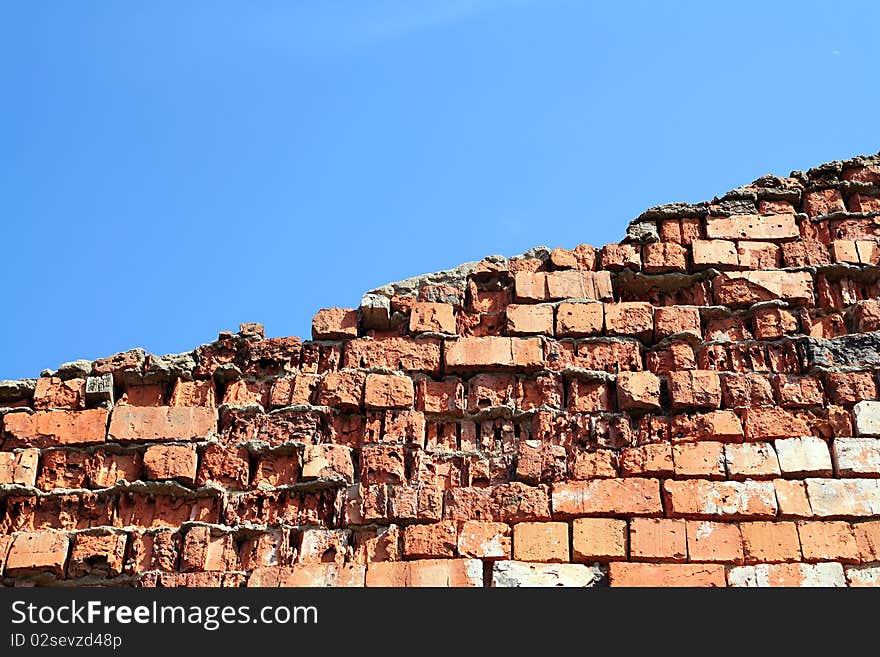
(696, 405)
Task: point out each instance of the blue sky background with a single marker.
(171, 169)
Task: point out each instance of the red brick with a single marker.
(758, 255)
(544, 390)
(718, 254)
(547, 286)
(19, 467)
(511, 502)
(433, 317)
(752, 227)
(130, 423)
(868, 174)
(665, 575)
(798, 391)
(493, 352)
(490, 390)
(739, 289)
(435, 541)
(529, 319)
(792, 498)
(653, 459)
(823, 201)
(863, 203)
(171, 462)
(850, 387)
(632, 318)
(308, 575)
(541, 541)
(725, 499)
(537, 461)
(747, 389)
(388, 391)
(193, 393)
(580, 319)
(446, 573)
(638, 391)
(751, 461)
(382, 464)
(244, 393)
(662, 257)
(407, 354)
(657, 539)
(583, 256)
(324, 546)
(335, 324)
(714, 425)
(484, 540)
(52, 428)
(61, 468)
(598, 539)
(828, 541)
(703, 459)
(228, 467)
(595, 355)
(866, 316)
(342, 390)
(105, 469)
(720, 542)
(670, 320)
(327, 461)
(144, 395)
(588, 397)
(615, 257)
(770, 541)
(37, 552)
(52, 392)
(598, 464)
(868, 540)
(443, 397)
(695, 389)
(277, 469)
(845, 251)
(671, 356)
(607, 497)
(205, 549)
(772, 423)
(772, 323)
(97, 555)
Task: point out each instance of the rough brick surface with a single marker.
(696, 405)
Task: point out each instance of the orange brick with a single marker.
(242, 393)
(672, 320)
(388, 391)
(598, 539)
(484, 540)
(579, 319)
(53, 392)
(715, 425)
(719, 542)
(161, 423)
(335, 324)
(652, 459)
(772, 423)
(441, 396)
(529, 319)
(695, 389)
(752, 227)
(615, 257)
(342, 390)
(588, 397)
(823, 201)
(751, 461)
(435, 541)
(52, 428)
(171, 462)
(665, 575)
(828, 541)
(37, 552)
(446, 573)
(718, 254)
(798, 391)
(427, 316)
(772, 323)
(757, 255)
(720, 499)
(868, 539)
(144, 395)
(407, 354)
(638, 391)
(493, 352)
(633, 318)
(662, 257)
(635, 496)
(657, 539)
(98, 555)
(701, 459)
(770, 541)
(193, 393)
(19, 467)
(541, 541)
(850, 387)
(792, 498)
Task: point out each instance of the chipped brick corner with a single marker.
(696, 405)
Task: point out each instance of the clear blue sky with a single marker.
(171, 169)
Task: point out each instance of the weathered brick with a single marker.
(714, 425)
(335, 324)
(844, 497)
(598, 539)
(823, 201)
(541, 541)
(757, 255)
(787, 575)
(607, 497)
(798, 391)
(739, 289)
(407, 354)
(580, 319)
(665, 575)
(226, 466)
(863, 576)
(442, 397)
(506, 574)
(803, 456)
(828, 541)
(547, 286)
(751, 461)
(52, 428)
(653, 459)
(130, 423)
(792, 498)
(615, 257)
(695, 389)
(672, 320)
(770, 541)
(388, 391)
(309, 575)
(704, 459)
(719, 254)
(630, 318)
(714, 541)
(657, 539)
(19, 467)
(327, 461)
(447, 573)
(511, 502)
(752, 227)
(342, 390)
(726, 499)
(773, 423)
(97, 555)
(663, 257)
(638, 391)
(193, 393)
(433, 317)
(37, 552)
(850, 387)
(53, 392)
(529, 319)
(171, 462)
(324, 546)
(484, 540)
